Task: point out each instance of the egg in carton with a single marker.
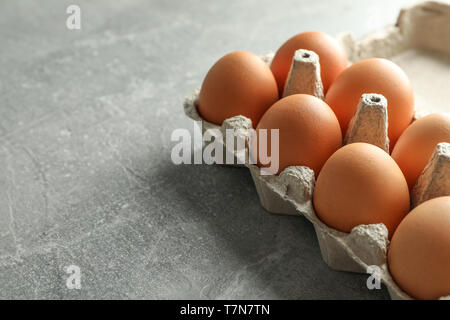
(190, 109)
(425, 25)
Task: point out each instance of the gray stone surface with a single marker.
(85, 172)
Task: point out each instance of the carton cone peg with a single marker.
(236, 132)
(370, 122)
(304, 75)
(435, 179)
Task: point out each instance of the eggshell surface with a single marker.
(308, 131)
(416, 145)
(240, 83)
(361, 184)
(332, 57)
(373, 76)
(419, 253)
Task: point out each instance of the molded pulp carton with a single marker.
(420, 43)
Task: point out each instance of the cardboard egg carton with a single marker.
(425, 25)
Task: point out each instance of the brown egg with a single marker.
(361, 184)
(373, 76)
(332, 57)
(419, 253)
(308, 131)
(240, 83)
(416, 145)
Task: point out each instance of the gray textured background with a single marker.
(85, 171)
